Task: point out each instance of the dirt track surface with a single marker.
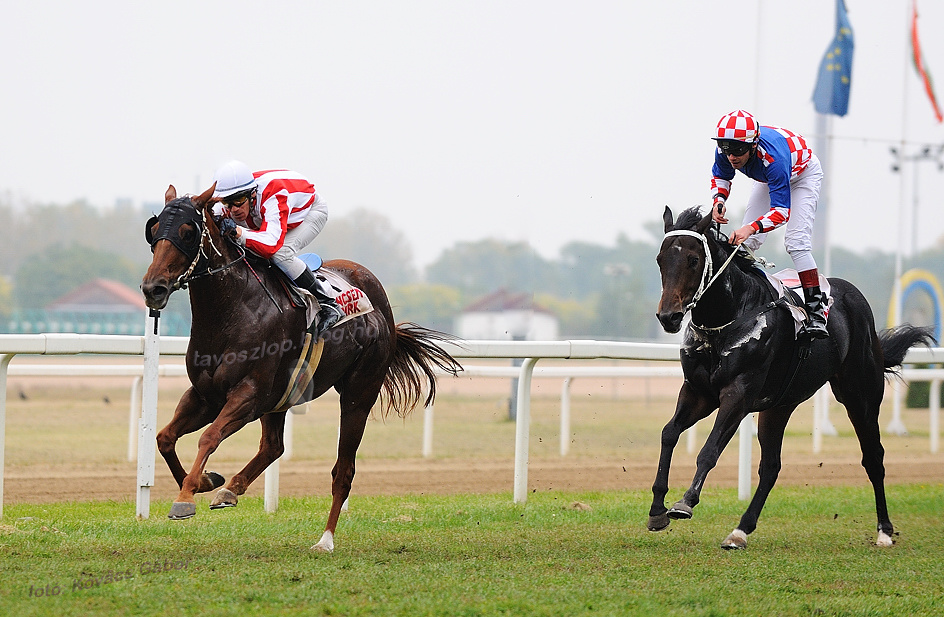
(44, 484)
(65, 419)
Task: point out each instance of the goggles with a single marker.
(734, 147)
(236, 199)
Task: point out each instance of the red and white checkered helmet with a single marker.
(738, 126)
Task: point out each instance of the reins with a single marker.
(188, 276)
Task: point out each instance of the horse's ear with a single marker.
(667, 219)
(704, 224)
(204, 198)
(170, 194)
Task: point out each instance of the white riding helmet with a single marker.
(233, 177)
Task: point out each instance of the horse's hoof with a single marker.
(680, 511)
(326, 544)
(209, 481)
(736, 540)
(225, 498)
(884, 540)
(658, 523)
(181, 510)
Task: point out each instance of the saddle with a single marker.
(353, 301)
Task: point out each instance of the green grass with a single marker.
(812, 554)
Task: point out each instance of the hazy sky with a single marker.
(542, 121)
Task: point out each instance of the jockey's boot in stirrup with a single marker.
(329, 313)
(816, 312)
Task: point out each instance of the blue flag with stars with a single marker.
(831, 95)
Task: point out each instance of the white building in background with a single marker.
(507, 316)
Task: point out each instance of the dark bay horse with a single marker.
(238, 309)
(740, 355)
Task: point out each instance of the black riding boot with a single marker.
(816, 312)
(329, 313)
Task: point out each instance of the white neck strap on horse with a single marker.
(706, 274)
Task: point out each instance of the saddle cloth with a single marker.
(352, 300)
(789, 279)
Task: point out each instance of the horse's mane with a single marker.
(689, 219)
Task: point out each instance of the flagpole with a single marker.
(897, 426)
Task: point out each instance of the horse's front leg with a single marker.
(236, 413)
(271, 447)
(770, 427)
(192, 413)
(691, 408)
(731, 411)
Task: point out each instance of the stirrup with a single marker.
(328, 316)
(816, 329)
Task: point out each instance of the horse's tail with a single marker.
(897, 341)
(416, 355)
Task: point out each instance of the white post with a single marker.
(147, 431)
(271, 498)
(821, 424)
(934, 419)
(134, 412)
(746, 437)
(428, 431)
(565, 418)
(817, 423)
(523, 429)
(288, 433)
(691, 436)
(897, 426)
(4, 364)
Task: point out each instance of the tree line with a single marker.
(596, 290)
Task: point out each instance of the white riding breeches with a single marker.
(804, 197)
(299, 237)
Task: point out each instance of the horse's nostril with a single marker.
(671, 322)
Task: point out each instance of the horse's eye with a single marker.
(692, 261)
(187, 234)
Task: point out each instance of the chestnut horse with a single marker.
(740, 355)
(236, 309)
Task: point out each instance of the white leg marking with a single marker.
(884, 540)
(326, 544)
(736, 539)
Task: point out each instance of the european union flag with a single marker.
(831, 95)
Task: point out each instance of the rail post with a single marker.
(147, 423)
(523, 430)
(4, 364)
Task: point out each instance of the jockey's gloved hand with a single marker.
(718, 209)
(228, 226)
(717, 202)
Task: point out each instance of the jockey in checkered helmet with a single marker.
(788, 178)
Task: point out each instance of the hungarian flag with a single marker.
(919, 62)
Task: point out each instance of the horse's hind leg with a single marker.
(355, 409)
(862, 407)
(770, 427)
(191, 415)
(271, 447)
(690, 409)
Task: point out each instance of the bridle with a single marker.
(707, 279)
